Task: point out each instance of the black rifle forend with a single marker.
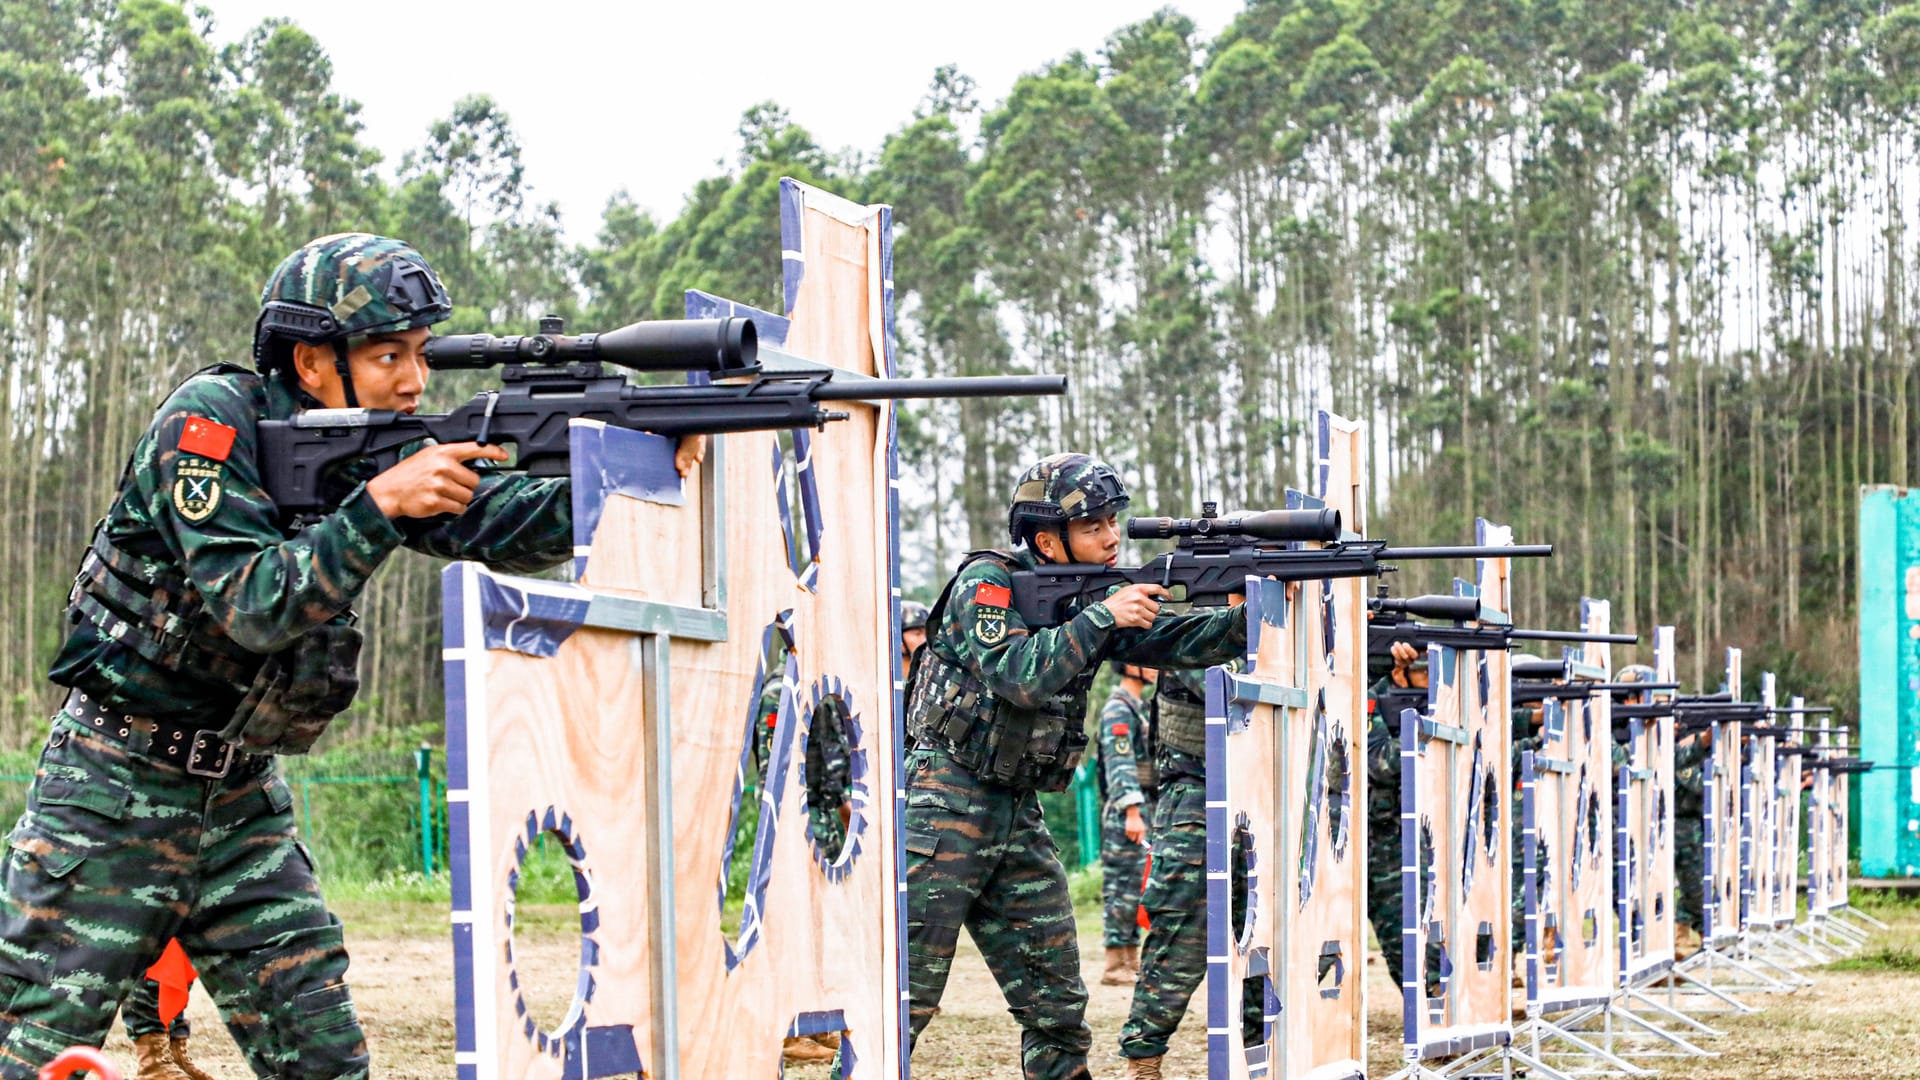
(1390, 621)
(1529, 692)
(721, 347)
(536, 401)
(1206, 567)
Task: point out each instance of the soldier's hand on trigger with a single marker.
(1135, 606)
(433, 481)
(1136, 825)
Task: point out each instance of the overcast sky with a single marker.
(647, 96)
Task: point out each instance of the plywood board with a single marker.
(1567, 791)
(1284, 742)
(1759, 820)
(1721, 814)
(1786, 788)
(616, 715)
(1826, 831)
(1644, 848)
(1455, 774)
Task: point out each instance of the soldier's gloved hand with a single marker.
(691, 451)
(433, 481)
(1135, 606)
(1136, 825)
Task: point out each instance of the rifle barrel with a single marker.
(964, 386)
(1575, 635)
(1517, 551)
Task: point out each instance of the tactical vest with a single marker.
(951, 709)
(149, 606)
(1180, 718)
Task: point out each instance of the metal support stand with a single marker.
(1543, 1032)
(1841, 913)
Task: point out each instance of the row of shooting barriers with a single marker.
(618, 714)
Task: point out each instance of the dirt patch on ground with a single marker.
(1860, 1020)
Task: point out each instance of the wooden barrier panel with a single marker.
(1284, 799)
(1721, 813)
(1567, 792)
(1645, 845)
(1455, 771)
(1827, 830)
(1759, 820)
(617, 718)
(1786, 789)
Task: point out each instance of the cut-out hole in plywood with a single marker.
(1332, 969)
(1245, 884)
(836, 775)
(745, 861)
(1550, 944)
(1424, 864)
(1437, 969)
(1590, 928)
(797, 492)
(1339, 792)
(1484, 945)
(546, 960)
(819, 1047)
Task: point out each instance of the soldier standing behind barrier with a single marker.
(913, 631)
(1690, 754)
(205, 635)
(1174, 958)
(1383, 807)
(1126, 792)
(997, 714)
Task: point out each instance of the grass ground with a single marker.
(1860, 1019)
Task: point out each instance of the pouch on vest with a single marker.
(298, 691)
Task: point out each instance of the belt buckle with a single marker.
(201, 739)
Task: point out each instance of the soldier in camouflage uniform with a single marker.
(1690, 754)
(1173, 960)
(1407, 671)
(997, 714)
(913, 631)
(1126, 792)
(204, 635)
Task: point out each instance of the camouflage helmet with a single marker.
(913, 615)
(341, 287)
(1634, 673)
(1059, 489)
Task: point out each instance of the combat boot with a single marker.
(184, 1063)
(155, 1058)
(804, 1051)
(1144, 1068)
(1133, 960)
(1117, 972)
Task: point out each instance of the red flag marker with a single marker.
(175, 974)
(207, 438)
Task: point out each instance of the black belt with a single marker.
(199, 751)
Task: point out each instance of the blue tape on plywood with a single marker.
(526, 621)
(609, 461)
(771, 328)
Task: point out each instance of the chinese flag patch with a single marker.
(991, 595)
(206, 438)
(1119, 729)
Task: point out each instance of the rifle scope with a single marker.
(1322, 525)
(1557, 670)
(721, 347)
(1450, 608)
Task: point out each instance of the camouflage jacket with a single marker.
(191, 510)
(988, 676)
(1121, 728)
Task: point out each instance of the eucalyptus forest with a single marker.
(1628, 276)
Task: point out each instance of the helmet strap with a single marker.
(346, 374)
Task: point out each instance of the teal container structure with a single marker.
(1888, 819)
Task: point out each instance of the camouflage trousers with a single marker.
(979, 856)
(115, 854)
(1123, 868)
(140, 1012)
(1689, 869)
(1173, 959)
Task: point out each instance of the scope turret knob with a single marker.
(1209, 509)
(552, 324)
